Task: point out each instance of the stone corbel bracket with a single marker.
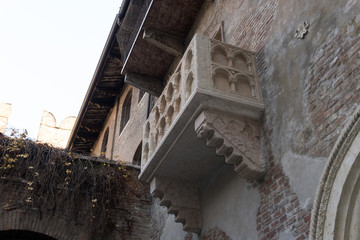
(235, 138)
(181, 198)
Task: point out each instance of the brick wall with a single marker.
(246, 24)
(323, 71)
(331, 94)
(332, 88)
(279, 206)
(215, 234)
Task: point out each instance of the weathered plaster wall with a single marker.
(232, 208)
(163, 225)
(53, 134)
(5, 112)
(131, 136)
(310, 88)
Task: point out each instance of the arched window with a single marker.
(125, 113)
(337, 204)
(137, 155)
(104, 143)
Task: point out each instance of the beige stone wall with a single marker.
(128, 140)
(51, 133)
(5, 112)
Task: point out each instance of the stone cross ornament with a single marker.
(302, 30)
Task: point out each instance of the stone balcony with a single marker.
(208, 113)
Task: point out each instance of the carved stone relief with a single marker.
(233, 71)
(232, 57)
(238, 140)
(234, 82)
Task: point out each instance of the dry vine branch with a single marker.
(48, 178)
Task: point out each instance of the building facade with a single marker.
(249, 124)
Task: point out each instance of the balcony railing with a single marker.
(211, 75)
(213, 96)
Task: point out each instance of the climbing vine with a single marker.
(47, 179)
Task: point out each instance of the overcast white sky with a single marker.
(48, 53)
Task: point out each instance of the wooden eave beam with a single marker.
(143, 82)
(170, 44)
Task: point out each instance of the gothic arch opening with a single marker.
(137, 155)
(18, 223)
(23, 235)
(336, 211)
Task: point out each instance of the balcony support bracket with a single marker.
(181, 198)
(235, 138)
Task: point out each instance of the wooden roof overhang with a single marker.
(106, 85)
(159, 38)
(166, 24)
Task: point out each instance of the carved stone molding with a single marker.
(327, 214)
(181, 198)
(237, 139)
(233, 71)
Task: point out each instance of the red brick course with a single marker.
(215, 234)
(279, 206)
(332, 90)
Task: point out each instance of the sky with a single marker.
(48, 54)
